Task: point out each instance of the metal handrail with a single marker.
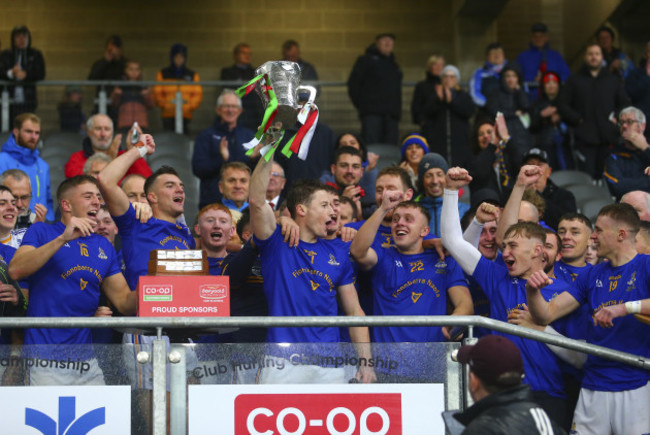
(326, 321)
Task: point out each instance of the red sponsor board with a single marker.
(353, 413)
(184, 296)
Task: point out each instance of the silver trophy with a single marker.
(284, 77)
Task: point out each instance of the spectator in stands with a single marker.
(165, 96)
(588, 103)
(71, 116)
(486, 77)
(414, 147)
(291, 52)
(501, 402)
(309, 293)
(347, 211)
(431, 176)
(490, 165)
(18, 182)
(444, 117)
(219, 144)
(276, 186)
(67, 262)
(511, 99)
(109, 67)
(95, 164)
(539, 59)
(625, 167)
(21, 152)
(614, 59)
(100, 139)
(559, 201)
(242, 71)
(505, 286)
(375, 88)
(133, 186)
(643, 238)
(550, 132)
(132, 101)
(347, 171)
(426, 88)
(234, 185)
(637, 85)
(8, 217)
(640, 201)
(410, 224)
(614, 396)
(22, 65)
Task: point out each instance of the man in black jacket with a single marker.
(375, 88)
(589, 103)
(559, 201)
(502, 404)
(22, 65)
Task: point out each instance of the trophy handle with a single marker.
(312, 93)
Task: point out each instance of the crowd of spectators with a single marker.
(335, 234)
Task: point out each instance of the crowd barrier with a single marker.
(213, 386)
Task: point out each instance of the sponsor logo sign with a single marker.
(183, 296)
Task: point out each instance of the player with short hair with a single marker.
(68, 262)
(615, 398)
(574, 230)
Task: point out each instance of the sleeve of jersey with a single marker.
(455, 275)
(269, 243)
(348, 275)
(114, 264)
(579, 288)
(34, 235)
(126, 223)
(485, 276)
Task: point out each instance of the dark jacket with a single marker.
(508, 101)
(624, 171)
(507, 412)
(637, 85)
(31, 61)
(558, 202)
(542, 128)
(207, 160)
(444, 125)
(375, 84)
(481, 168)
(253, 112)
(586, 103)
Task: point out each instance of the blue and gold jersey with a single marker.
(6, 253)
(569, 273)
(139, 239)
(507, 293)
(412, 285)
(68, 284)
(303, 281)
(602, 286)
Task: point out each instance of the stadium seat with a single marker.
(389, 155)
(569, 177)
(591, 207)
(61, 143)
(584, 192)
(173, 144)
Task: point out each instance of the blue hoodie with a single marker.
(434, 206)
(13, 156)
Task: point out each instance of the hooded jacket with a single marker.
(30, 60)
(375, 84)
(164, 95)
(14, 156)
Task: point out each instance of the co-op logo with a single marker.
(213, 291)
(337, 414)
(158, 292)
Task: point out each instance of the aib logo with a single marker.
(68, 424)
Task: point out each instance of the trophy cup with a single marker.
(278, 84)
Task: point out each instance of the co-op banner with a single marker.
(353, 409)
(65, 410)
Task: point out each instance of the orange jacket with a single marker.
(165, 95)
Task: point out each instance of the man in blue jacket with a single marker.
(539, 58)
(20, 152)
(219, 144)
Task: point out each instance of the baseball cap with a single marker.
(536, 153)
(491, 358)
(538, 27)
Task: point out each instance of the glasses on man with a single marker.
(24, 198)
(628, 122)
(277, 174)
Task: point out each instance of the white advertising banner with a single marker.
(352, 409)
(66, 410)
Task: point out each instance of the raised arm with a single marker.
(116, 200)
(360, 249)
(28, 259)
(262, 217)
(485, 213)
(544, 312)
(450, 232)
(528, 176)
